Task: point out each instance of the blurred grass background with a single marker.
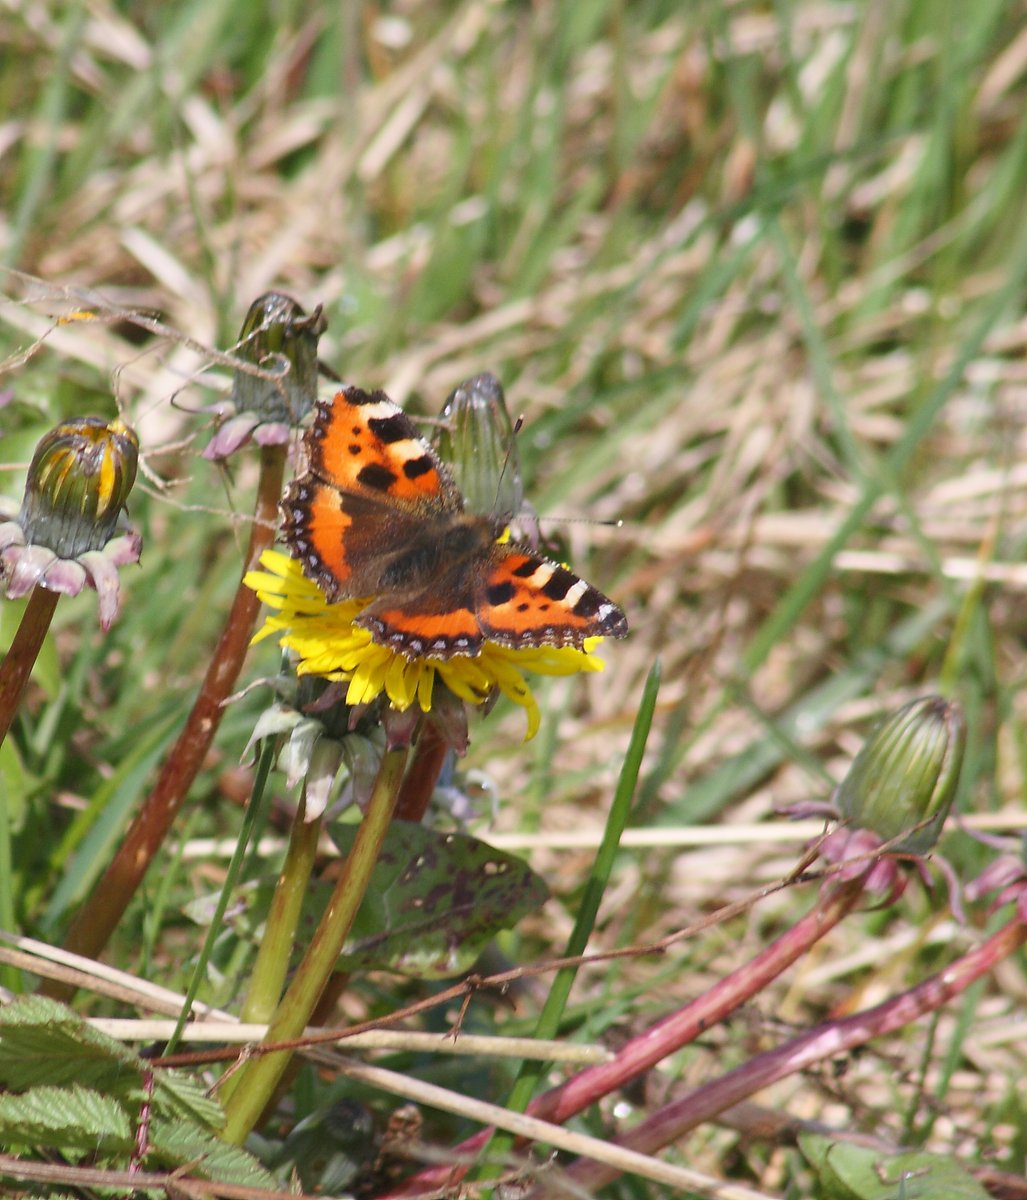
(754, 274)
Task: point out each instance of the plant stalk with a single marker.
(19, 660)
(258, 1078)
(802, 1052)
(276, 946)
(425, 767)
(272, 962)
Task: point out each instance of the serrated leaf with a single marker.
(177, 1144)
(43, 1042)
(434, 900)
(71, 1118)
(177, 1095)
(848, 1172)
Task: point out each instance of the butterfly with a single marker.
(378, 514)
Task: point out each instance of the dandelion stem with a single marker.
(18, 662)
(96, 920)
(429, 756)
(253, 821)
(272, 962)
(800, 1053)
(259, 1077)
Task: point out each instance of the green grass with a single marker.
(754, 275)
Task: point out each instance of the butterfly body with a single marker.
(377, 514)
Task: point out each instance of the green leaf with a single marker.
(848, 1172)
(434, 900)
(43, 1042)
(44, 1045)
(176, 1094)
(72, 1118)
(177, 1144)
(15, 785)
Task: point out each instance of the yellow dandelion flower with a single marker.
(328, 643)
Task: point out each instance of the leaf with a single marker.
(848, 1172)
(434, 900)
(43, 1042)
(178, 1095)
(16, 785)
(177, 1144)
(71, 1118)
(44, 1045)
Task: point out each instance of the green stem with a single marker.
(96, 920)
(272, 962)
(256, 812)
(548, 1025)
(19, 660)
(258, 1078)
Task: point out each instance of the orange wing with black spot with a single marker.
(526, 600)
(372, 488)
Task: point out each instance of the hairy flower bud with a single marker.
(904, 778)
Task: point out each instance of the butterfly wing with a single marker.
(438, 624)
(526, 600)
(372, 489)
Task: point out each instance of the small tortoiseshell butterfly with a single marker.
(378, 514)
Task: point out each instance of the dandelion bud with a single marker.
(67, 534)
(78, 483)
(477, 440)
(904, 778)
(278, 336)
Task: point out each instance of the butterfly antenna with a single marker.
(612, 523)
(518, 425)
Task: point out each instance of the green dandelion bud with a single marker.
(69, 531)
(278, 334)
(281, 339)
(477, 440)
(78, 482)
(904, 778)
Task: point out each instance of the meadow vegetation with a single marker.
(754, 275)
